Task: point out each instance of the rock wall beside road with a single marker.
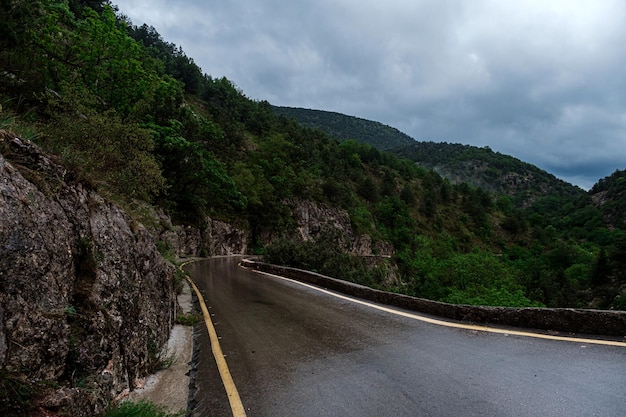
(86, 300)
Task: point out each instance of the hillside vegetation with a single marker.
(492, 171)
(130, 114)
(342, 127)
(479, 167)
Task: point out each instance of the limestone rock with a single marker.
(82, 286)
(313, 218)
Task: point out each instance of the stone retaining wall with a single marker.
(569, 320)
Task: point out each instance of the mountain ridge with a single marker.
(494, 172)
(344, 127)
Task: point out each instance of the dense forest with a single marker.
(133, 116)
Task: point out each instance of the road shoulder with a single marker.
(170, 387)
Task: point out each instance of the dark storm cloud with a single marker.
(541, 81)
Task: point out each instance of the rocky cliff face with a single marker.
(214, 238)
(313, 218)
(309, 218)
(86, 300)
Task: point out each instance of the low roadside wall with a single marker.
(569, 320)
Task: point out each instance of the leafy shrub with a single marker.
(620, 302)
(109, 153)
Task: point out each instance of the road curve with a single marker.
(295, 351)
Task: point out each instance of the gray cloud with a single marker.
(541, 81)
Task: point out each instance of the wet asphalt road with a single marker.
(293, 351)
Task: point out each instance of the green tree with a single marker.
(197, 181)
(601, 270)
(479, 278)
(36, 40)
(112, 64)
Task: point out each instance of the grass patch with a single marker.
(11, 123)
(188, 319)
(158, 359)
(166, 250)
(138, 409)
(179, 278)
(16, 394)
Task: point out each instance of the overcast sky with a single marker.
(543, 81)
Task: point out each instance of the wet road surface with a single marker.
(293, 351)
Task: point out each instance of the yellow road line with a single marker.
(453, 324)
(229, 384)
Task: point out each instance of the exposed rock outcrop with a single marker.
(86, 300)
(215, 238)
(310, 219)
(313, 218)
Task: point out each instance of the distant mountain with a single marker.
(480, 167)
(489, 170)
(343, 127)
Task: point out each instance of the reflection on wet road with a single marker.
(293, 351)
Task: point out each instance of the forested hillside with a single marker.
(344, 127)
(131, 115)
(479, 167)
(492, 171)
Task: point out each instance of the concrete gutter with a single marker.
(569, 320)
(170, 387)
